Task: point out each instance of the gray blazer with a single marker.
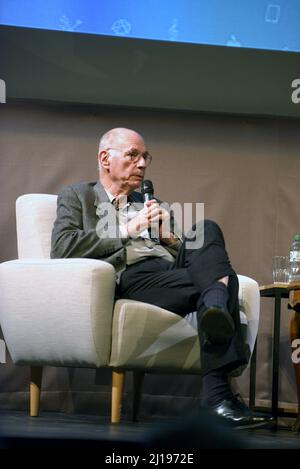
(74, 233)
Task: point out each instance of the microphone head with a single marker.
(147, 187)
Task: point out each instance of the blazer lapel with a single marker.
(100, 194)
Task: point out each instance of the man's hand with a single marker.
(156, 217)
(149, 215)
(165, 233)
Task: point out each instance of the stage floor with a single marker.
(61, 430)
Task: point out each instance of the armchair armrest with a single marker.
(57, 312)
(249, 298)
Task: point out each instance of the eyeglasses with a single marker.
(135, 155)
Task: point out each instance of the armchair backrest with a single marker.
(35, 217)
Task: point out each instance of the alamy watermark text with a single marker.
(295, 96)
(2, 91)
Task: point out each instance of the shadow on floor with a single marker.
(57, 430)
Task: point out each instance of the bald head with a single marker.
(118, 136)
(118, 171)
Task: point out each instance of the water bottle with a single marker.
(294, 274)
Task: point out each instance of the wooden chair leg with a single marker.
(138, 379)
(36, 373)
(118, 382)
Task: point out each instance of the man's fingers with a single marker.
(164, 214)
(153, 213)
(151, 202)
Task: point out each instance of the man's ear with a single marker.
(103, 159)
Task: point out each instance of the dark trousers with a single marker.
(178, 286)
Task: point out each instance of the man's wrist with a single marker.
(171, 240)
(132, 231)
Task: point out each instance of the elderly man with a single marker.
(161, 270)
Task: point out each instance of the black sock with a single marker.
(215, 388)
(216, 295)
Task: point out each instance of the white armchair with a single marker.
(53, 312)
(61, 312)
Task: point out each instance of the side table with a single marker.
(294, 304)
(279, 291)
(276, 291)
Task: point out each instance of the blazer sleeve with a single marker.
(69, 239)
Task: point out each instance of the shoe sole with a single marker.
(255, 425)
(217, 326)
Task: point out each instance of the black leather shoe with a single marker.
(239, 416)
(216, 326)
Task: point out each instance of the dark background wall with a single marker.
(246, 171)
(87, 68)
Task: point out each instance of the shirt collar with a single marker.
(109, 195)
(101, 193)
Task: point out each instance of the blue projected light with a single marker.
(258, 24)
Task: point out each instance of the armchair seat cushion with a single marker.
(150, 338)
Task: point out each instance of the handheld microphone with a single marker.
(147, 190)
(148, 194)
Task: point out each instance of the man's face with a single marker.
(122, 170)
